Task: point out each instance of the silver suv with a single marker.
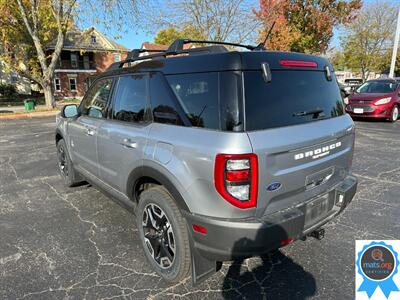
(220, 154)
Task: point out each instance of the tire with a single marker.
(67, 171)
(394, 114)
(157, 208)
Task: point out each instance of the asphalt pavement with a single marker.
(75, 243)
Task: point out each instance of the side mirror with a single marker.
(69, 111)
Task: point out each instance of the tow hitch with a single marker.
(319, 233)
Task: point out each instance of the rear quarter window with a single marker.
(198, 96)
(282, 101)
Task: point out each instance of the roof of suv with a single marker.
(218, 58)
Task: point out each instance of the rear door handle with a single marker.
(128, 143)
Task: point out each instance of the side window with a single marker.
(96, 100)
(163, 102)
(130, 99)
(198, 96)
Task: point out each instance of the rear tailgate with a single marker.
(299, 162)
(298, 128)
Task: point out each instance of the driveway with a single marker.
(76, 243)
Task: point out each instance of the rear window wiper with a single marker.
(315, 112)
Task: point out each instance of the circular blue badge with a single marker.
(377, 263)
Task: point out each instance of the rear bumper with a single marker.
(229, 239)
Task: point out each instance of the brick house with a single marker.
(84, 54)
(154, 47)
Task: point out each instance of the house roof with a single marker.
(88, 39)
(151, 46)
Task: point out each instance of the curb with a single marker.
(28, 115)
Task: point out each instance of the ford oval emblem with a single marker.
(274, 186)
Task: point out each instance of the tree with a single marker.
(304, 25)
(28, 25)
(369, 37)
(338, 61)
(217, 20)
(170, 34)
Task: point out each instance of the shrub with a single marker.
(7, 90)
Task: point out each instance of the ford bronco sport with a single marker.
(220, 154)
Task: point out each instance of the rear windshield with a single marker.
(377, 87)
(291, 98)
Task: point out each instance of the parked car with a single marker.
(220, 154)
(351, 84)
(379, 98)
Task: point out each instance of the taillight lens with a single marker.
(236, 178)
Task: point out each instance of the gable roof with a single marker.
(88, 39)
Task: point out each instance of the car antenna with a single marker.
(261, 46)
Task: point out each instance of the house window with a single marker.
(14, 78)
(72, 84)
(93, 39)
(86, 62)
(117, 57)
(57, 84)
(74, 60)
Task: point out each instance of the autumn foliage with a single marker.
(304, 25)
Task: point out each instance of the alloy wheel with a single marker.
(159, 236)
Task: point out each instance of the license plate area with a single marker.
(358, 110)
(317, 210)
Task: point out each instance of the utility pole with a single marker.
(396, 45)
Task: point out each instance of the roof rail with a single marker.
(178, 44)
(176, 48)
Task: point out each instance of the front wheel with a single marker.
(67, 171)
(395, 114)
(163, 233)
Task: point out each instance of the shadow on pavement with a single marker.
(278, 276)
(273, 276)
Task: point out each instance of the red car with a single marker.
(378, 98)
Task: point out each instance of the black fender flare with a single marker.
(146, 171)
(58, 132)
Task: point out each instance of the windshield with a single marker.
(291, 98)
(377, 87)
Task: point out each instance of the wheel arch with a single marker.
(149, 175)
(58, 136)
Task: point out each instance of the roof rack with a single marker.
(135, 53)
(176, 48)
(178, 44)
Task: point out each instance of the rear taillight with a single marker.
(236, 178)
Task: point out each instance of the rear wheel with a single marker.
(163, 233)
(68, 173)
(395, 114)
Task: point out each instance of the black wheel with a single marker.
(163, 233)
(69, 175)
(395, 114)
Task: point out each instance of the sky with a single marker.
(134, 38)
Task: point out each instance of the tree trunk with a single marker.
(48, 95)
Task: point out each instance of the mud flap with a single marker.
(202, 268)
